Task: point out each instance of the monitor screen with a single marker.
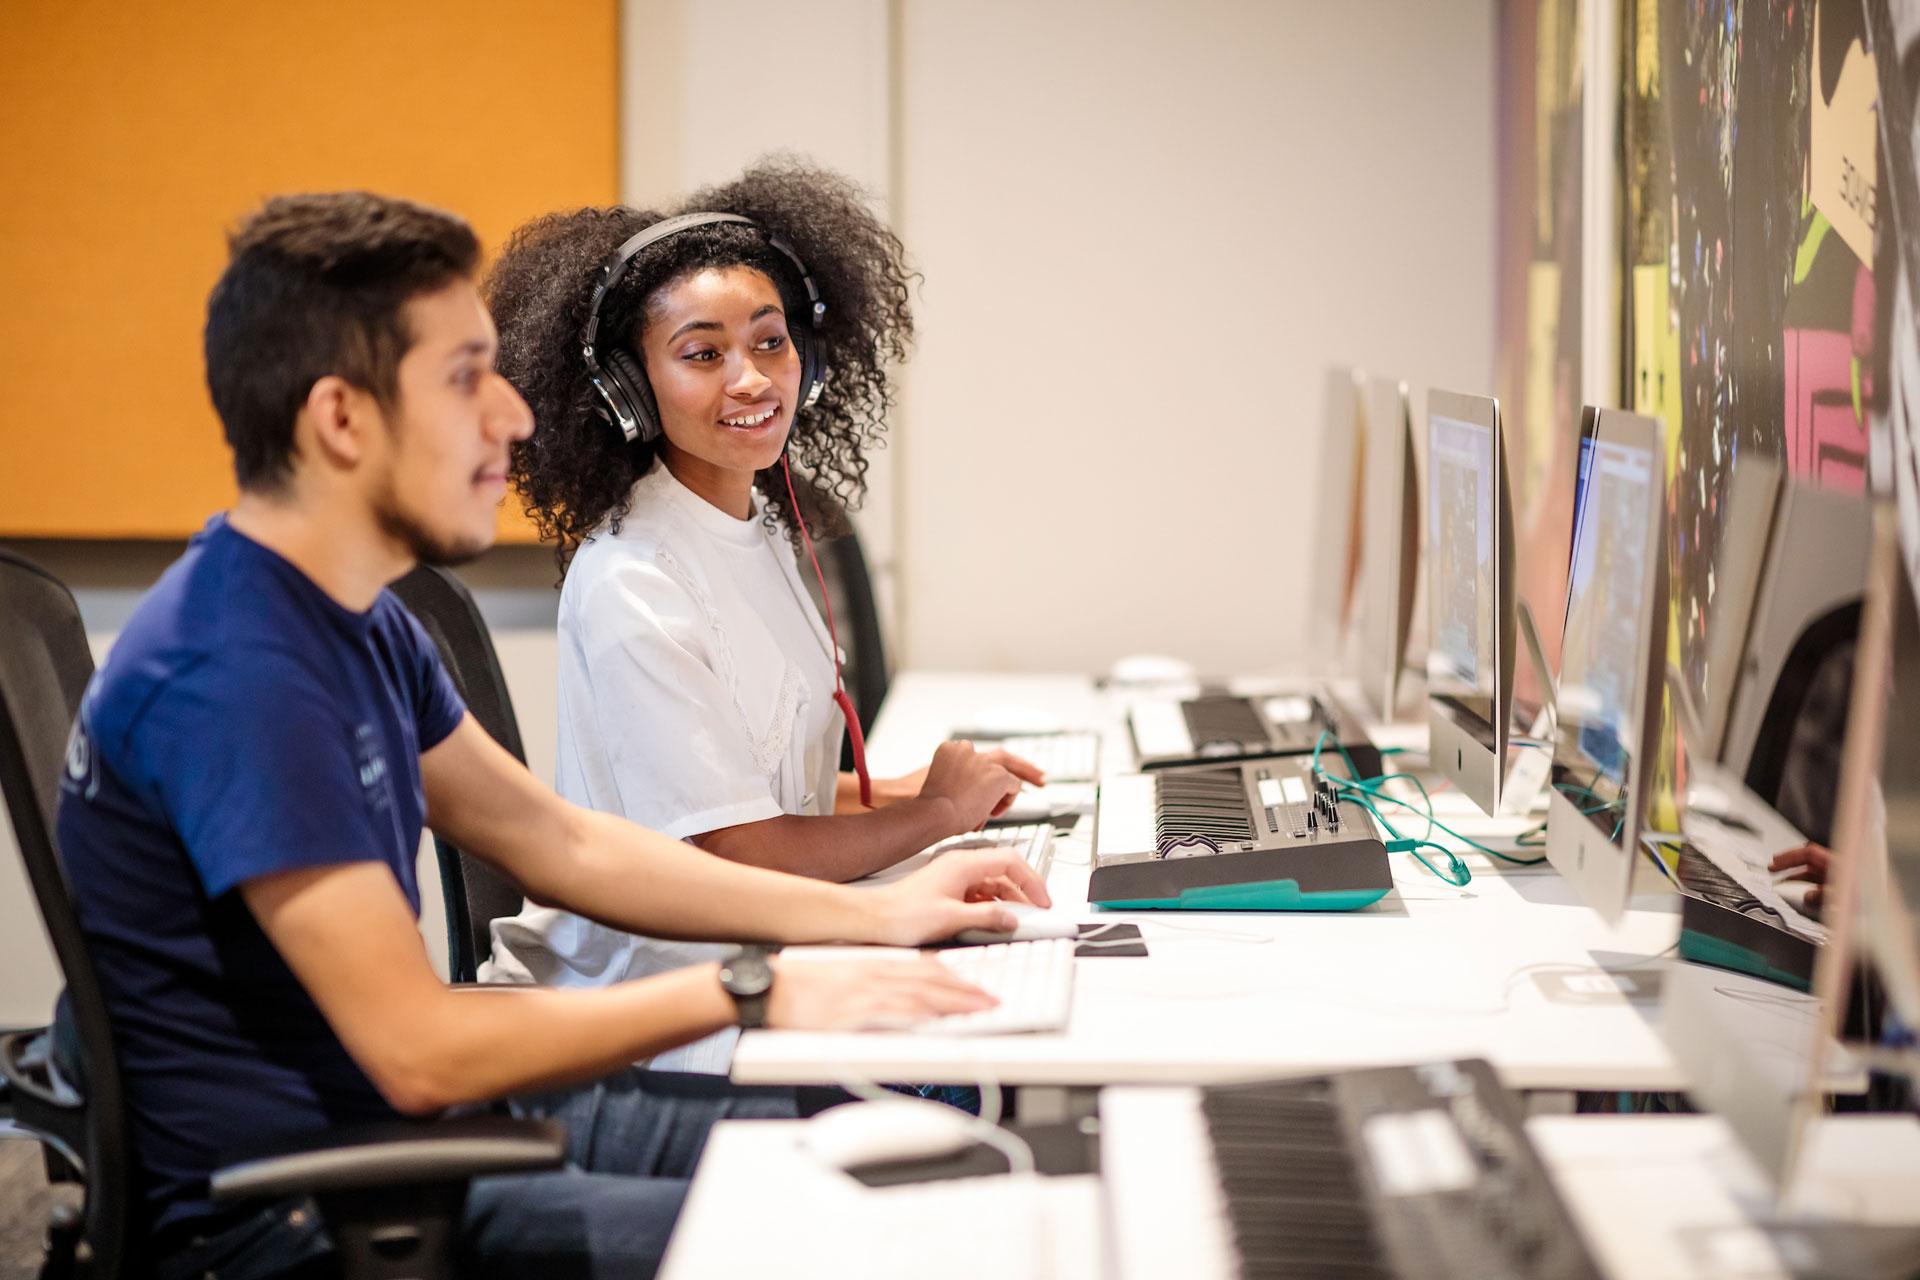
(1602, 658)
(1582, 469)
(1462, 666)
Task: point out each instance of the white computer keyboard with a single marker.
(1034, 840)
(1073, 756)
(1033, 981)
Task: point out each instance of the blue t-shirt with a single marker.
(244, 723)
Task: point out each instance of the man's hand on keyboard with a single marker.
(1811, 860)
(978, 784)
(958, 890)
(833, 995)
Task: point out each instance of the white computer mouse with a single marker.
(1148, 669)
(860, 1133)
(1031, 923)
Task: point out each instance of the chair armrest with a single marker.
(391, 1154)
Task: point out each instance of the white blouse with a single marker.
(696, 692)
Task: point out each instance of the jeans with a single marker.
(633, 1139)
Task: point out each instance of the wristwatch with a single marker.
(747, 977)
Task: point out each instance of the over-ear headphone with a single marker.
(618, 375)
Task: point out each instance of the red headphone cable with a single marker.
(854, 738)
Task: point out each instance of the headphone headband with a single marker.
(631, 406)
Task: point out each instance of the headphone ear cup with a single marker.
(630, 380)
(812, 376)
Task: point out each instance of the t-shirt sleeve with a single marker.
(273, 781)
(438, 707)
(675, 744)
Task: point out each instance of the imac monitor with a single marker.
(1758, 1055)
(1469, 520)
(1612, 660)
(1890, 901)
(1761, 1065)
(1391, 566)
(1542, 555)
(1771, 622)
(1336, 561)
(1739, 566)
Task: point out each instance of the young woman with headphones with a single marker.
(705, 388)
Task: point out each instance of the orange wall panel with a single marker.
(132, 135)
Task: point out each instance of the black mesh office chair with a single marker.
(857, 614)
(1795, 766)
(476, 894)
(391, 1194)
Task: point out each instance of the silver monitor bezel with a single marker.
(1754, 495)
(1392, 509)
(1342, 461)
(1811, 527)
(1457, 749)
(1599, 868)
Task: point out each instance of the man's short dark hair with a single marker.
(316, 285)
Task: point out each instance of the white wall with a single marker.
(29, 979)
(688, 120)
(1146, 228)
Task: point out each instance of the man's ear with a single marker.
(336, 419)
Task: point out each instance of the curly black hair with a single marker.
(576, 471)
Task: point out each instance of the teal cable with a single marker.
(1373, 789)
(1462, 874)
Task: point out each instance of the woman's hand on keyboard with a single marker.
(977, 784)
(849, 995)
(959, 890)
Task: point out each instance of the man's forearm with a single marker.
(476, 1043)
(644, 882)
(840, 847)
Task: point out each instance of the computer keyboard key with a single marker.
(1033, 982)
(1034, 840)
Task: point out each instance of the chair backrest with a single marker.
(856, 612)
(476, 894)
(44, 668)
(1795, 766)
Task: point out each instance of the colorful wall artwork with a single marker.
(1750, 137)
(1768, 249)
(1894, 35)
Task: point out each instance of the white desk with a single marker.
(1674, 1197)
(1507, 969)
(760, 1206)
(1656, 1198)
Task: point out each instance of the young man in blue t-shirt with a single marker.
(246, 789)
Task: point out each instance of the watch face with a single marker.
(747, 974)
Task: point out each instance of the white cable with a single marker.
(986, 1131)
